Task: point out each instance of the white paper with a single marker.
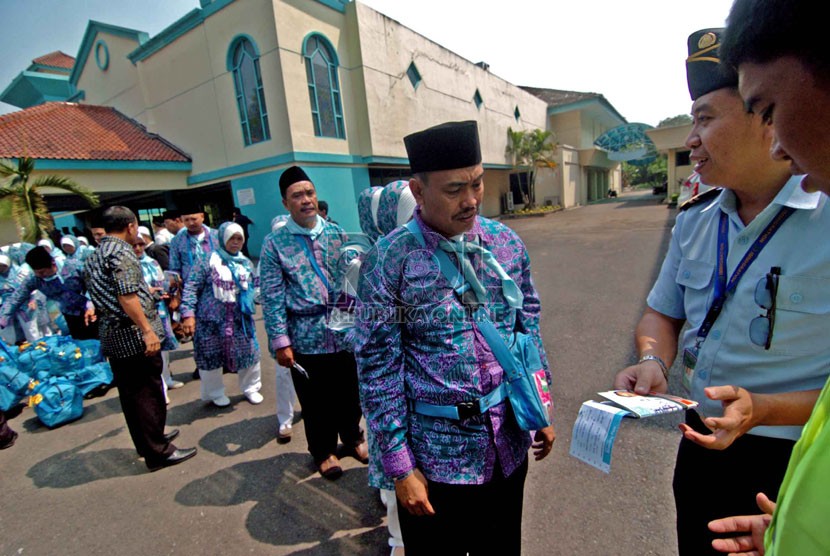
(594, 433)
(245, 197)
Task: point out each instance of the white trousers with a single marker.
(212, 386)
(392, 522)
(285, 396)
(166, 379)
(31, 330)
(165, 369)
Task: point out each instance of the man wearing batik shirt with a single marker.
(193, 242)
(418, 348)
(130, 337)
(298, 281)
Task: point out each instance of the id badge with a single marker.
(689, 364)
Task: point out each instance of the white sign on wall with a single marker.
(245, 197)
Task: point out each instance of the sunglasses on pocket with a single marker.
(761, 327)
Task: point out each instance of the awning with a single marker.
(628, 143)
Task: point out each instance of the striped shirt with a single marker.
(112, 271)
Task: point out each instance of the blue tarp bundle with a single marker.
(54, 373)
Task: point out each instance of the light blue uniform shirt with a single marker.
(799, 357)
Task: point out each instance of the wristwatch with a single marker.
(659, 361)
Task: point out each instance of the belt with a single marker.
(462, 410)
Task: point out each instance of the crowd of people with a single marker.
(741, 295)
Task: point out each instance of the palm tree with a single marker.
(531, 150)
(28, 206)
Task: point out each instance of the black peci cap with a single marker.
(291, 176)
(704, 72)
(446, 146)
(191, 208)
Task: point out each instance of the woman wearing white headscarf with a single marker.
(217, 308)
(74, 249)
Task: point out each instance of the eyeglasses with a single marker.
(761, 327)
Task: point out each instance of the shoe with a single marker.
(284, 435)
(255, 398)
(171, 436)
(360, 452)
(180, 455)
(10, 442)
(330, 468)
(175, 385)
(222, 401)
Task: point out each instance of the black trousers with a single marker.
(79, 330)
(138, 379)
(330, 401)
(469, 519)
(711, 484)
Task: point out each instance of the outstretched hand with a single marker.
(739, 416)
(754, 527)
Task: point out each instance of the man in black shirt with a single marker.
(130, 330)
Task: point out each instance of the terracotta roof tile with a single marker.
(56, 59)
(64, 130)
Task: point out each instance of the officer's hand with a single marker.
(642, 378)
(543, 442)
(412, 494)
(285, 357)
(738, 417)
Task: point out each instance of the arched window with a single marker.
(243, 63)
(323, 87)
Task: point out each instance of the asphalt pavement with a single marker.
(81, 489)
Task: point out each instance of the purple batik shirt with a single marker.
(415, 341)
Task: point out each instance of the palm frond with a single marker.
(65, 184)
(8, 168)
(28, 207)
(8, 192)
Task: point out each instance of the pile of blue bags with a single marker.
(55, 374)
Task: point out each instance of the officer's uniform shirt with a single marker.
(800, 351)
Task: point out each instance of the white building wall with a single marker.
(101, 181)
(117, 85)
(190, 97)
(396, 108)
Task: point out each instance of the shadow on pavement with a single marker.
(295, 507)
(181, 353)
(241, 437)
(77, 467)
(196, 410)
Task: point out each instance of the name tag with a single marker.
(689, 364)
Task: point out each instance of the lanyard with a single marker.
(724, 288)
(305, 241)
